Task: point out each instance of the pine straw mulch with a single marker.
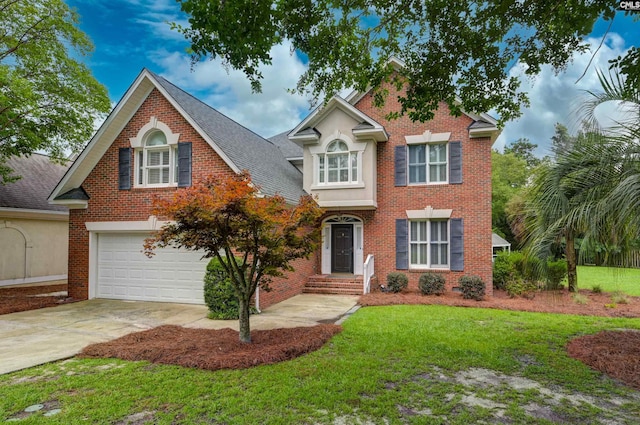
(214, 349)
(13, 300)
(615, 353)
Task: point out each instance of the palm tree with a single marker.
(592, 189)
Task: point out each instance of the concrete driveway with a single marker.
(30, 338)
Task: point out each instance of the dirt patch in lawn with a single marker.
(616, 354)
(15, 299)
(214, 349)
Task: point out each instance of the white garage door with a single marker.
(125, 273)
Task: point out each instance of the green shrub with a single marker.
(397, 281)
(503, 270)
(472, 288)
(596, 289)
(219, 293)
(518, 287)
(431, 283)
(556, 272)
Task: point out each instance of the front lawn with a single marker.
(395, 365)
(610, 279)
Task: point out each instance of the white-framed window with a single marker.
(429, 244)
(337, 165)
(428, 163)
(156, 162)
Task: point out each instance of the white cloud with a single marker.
(554, 98)
(229, 91)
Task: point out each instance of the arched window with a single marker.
(156, 161)
(338, 164)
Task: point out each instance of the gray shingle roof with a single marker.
(268, 167)
(286, 146)
(39, 177)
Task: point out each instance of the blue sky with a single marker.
(131, 34)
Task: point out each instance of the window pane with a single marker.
(154, 158)
(354, 167)
(437, 173)
(417, 154)
(157, 138)
(437, 153)
(337, 146)
(333, 175)
(344, 161)
(140, 167)
(423, 254)
(333, 161)
(153, 176)
(444, 231)
(444, 254)
(414, 231)
(344, 175)
(435, 257)
(414, 254)
(423, 231)
(165, 175)
(321, 168)
(165, 157)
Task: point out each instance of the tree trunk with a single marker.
(245, 331)
(570, 253)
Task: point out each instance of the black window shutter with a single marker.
(400, 161)
(402, 244)
(455, 162)
(457, 244)
(124, 168)
(184, 164)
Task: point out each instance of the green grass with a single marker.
(610, 279)
(393, 365)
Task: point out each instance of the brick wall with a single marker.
(470, 200)
(107, 203)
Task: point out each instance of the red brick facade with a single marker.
(107, 203)
(470, 200)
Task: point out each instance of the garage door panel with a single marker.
(124, 272)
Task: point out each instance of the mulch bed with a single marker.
(616, 353)
(13, 300)
(214, 349)
(543, 302)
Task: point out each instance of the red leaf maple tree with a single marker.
(227, 217)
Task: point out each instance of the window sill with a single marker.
(420, 269)
(429, 184)
(337, 186)
(163, 186)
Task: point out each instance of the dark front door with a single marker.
(342, 248)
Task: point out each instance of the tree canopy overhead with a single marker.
(48, 99)
(450, 49)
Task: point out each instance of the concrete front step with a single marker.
(331, 291)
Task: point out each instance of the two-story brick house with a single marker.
(415, 196)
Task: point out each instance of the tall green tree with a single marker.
(524, 149)
(509, 174)
(452, 50)
(48, 99)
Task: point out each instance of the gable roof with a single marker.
(238, 146)
(39, 177)
(366, 126)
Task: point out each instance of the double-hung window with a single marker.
(338, 165)
(428, 163)
(429, 243)
(156, 162)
